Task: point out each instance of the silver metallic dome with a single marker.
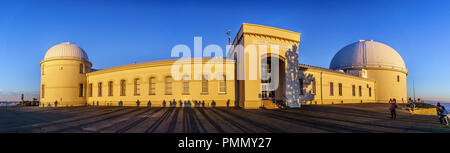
(367, 54)
(66, 50)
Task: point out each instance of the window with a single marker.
(43, 72)
(313, 91)
(123, 86)
(42, 91)
(99, 89)
(81, 90)
(110, 88)
(370, 92)
(137, 88)
(90, 90)
(353, 90)
(81, 68)
(340, 89)
(331, 89)
(168, 85)
(360, 91)
(185, 85)
(205, 84)
(301, 86)
(398, 78)
(223, 84)
(151, 86)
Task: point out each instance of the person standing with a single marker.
(438, 111)
(413, 107)
(392, 107)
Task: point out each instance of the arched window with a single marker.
(90, 90)
(168, 85)
(331, 89)
(81, 68)
(42, 91)
(185, 85)
(99, 89)
(110, 88)
(151, 86)
(123, 86)
(205, 84)
(360, 91)
(353, 90)
(313, 90)
(81, 90)
(223, 85)
(137, 87)
(398, 78)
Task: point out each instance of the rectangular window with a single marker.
(205, 84)
(81, 68)
(370, 92)
(360, 91)
(110, 88)
(151, 86)
(340, 89)
(137, 87)
(99, 89)
(168, 85)
(331, 89)
(43, 91)
(123, 87)
(90, 90)
(185, 85)
(43, 72)
(223, 84)
(81, 90)
(398, 78)
(353, 90)
(301, 86)
(313, 91)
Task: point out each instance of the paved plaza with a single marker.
(343, 118)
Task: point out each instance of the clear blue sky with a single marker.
(118, 32)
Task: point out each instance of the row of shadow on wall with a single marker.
(172, 103)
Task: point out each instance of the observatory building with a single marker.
(362, 72)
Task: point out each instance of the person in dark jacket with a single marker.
(392, 107)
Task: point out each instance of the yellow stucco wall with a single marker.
(61, 79)
(322, 94)
(159, 70)
(387, 85)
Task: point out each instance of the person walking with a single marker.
(392, 107)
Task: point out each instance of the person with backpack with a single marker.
(392, 107)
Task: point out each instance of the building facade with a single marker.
(363, 72)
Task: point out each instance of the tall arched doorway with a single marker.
(273, 82)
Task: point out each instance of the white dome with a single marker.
(367, 54)
(66, 50)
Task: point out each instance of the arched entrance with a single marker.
(273, 82)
